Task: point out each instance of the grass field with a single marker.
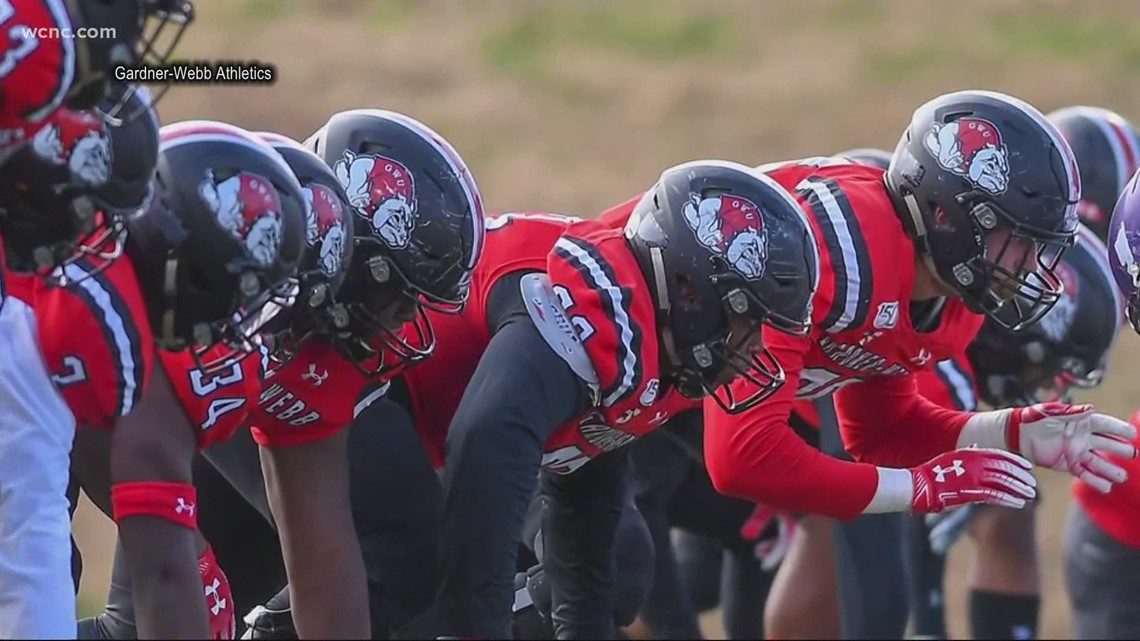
(569, 106)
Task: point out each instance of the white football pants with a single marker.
(37, 595)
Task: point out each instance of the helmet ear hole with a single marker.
(686, 293)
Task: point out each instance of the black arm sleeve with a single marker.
(520, 393)
(579, 526)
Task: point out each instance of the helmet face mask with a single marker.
(144, 32)
(1066, 350)
(724, 251)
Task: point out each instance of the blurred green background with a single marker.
(572, 105)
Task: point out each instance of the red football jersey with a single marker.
(37, 68)
(99, 349)
(310, 398)
(601, 289)
(216, 404)
(1118, 512)
(950, 384)
(862, 347)
(95, 338)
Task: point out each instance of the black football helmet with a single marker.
(719, 242)
(418, 231)
(1107, 148)
(328, 251)
(217, 250)
(978, 166)
(1067, 349)
(868, 156)
(122, 32)
(68, 193)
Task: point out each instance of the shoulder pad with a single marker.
(556, 329)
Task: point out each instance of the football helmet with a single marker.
(1107, 148)
(975, 169)
(1124, 248)
(417, 235)
(68, 193)
(720, 243)
(217, 250)
(1067, 349)
(142, 32)
(328, 251)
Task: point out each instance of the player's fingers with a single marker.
(1006, 456)
(1004, 499)
(1015, 470)
(1105, 424)
(1012, 485)
(1102, 485)
(1112, 446)
(1105, 468)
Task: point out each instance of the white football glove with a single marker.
(1066, 438)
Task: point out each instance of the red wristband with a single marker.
(175, 502)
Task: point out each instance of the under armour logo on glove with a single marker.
(217, 603)
(184, 508)
(219, 596)
(1073, 439)
(972, 475)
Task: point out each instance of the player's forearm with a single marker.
(768, 463)
(914, 432)
(580, 523)
(329, 602)
(164, 572)
(327, 586)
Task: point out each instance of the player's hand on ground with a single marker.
(972, 475)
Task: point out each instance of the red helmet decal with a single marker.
(973, 149)
(732, 227)
(78, 140)
(246, 205)
(325, 227)
(383, 192)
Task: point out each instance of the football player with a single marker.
(1101, 546)
(578, 338)
(210, 258)
(38, 76)
(674, 487)
(418, 234)
(220, 402)
(1107, 148)
(624, 330)
(969, 221)
(1065, 352)
(1004, 575)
